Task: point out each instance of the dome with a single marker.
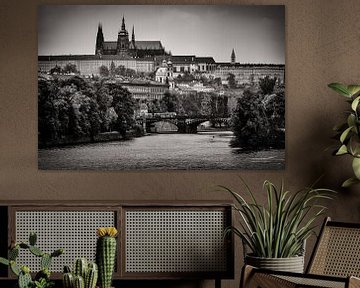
(162, 71)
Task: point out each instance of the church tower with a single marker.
(123, 40)
(233, 57)
(99, 41)
(133, 36)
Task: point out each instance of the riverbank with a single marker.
(102, 137)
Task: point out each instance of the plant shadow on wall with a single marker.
(348, 132)
(279, 229)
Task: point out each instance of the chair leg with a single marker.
(354, 282)
(246, 274)
(251, 279)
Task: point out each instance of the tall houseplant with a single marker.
(349, 132)
(279, 229)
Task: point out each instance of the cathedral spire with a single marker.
(123, 24)
(99, 40)
(233, 57)
(133, 35)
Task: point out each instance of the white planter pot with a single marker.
(291, 264)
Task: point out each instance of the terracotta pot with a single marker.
(291, 264)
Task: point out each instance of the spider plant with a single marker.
(279, 229)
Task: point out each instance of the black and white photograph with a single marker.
(161, 87)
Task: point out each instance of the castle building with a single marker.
(248, 73)
(126, 47)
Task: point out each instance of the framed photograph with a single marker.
(161, 87)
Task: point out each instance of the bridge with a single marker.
(184, 123)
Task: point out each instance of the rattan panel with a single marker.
(338, 253)
(75, 231)
(313, 282)
(175, 241)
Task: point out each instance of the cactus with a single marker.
(32, 238)
(13, 253)
(36, 251)
(105, 254)
(14, 268)
(91, 276)
(68, 280)
(89, 272)
(45, 261)
(79, 282)
(4, 261)
(44, 273)
(80, 267)
(24, 278)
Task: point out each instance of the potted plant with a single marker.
(42, 278)
(349, 132)
(276, 233)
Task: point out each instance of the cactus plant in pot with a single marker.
(25, 280)
(84, 275)
(275, 233)
(106, 254)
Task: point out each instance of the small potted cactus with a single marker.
(106, 254)
(42, 278)
(84, 275)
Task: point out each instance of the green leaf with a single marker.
(356, 167)
(4, 261)
(342, 150)
(351, 120)
(353, 89)
(355, 103)
(340, 88)
(349, 182)
(345, 134)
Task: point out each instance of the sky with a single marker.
(256, 33)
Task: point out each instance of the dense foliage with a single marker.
(259, 120)
(349, 131)
(67, 69)
(191, 104)
(71, 108)
(104, 71)
(267, 84)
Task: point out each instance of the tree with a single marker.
(103, 71)
(231, 80)
(267, 85)
(250, 124)
(55, 70)
(257, 121)
(70, 68)
(217, 81)
(169, 103)
(124, 106)
(112, 68)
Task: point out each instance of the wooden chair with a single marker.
(334, 263)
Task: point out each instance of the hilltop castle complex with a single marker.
(150, 56)
(124, 47)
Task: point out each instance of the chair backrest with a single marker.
(337, 251)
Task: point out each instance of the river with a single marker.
(201, 151)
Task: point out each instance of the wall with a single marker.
(323, 40)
